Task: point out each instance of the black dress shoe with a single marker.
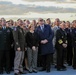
(17, 74)
(69, 64)
(74, 68)
(8, 72)
(11, 69)
(43, 69)
(22, 72)
(35, 71)
(47, 71)
(62, 69)
(30, 71)
(1, 72)
(55, 66)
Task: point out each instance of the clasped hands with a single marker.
(44, 41)
(64, 45)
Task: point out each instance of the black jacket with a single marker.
(19, 38)
(6, 38)
(61, 37)
(32, 39)
(74, 37)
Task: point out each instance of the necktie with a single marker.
(42, 28)
(4, 28)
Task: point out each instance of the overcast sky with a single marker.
(37, 8)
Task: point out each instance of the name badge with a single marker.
(15, 29)
(20, 30)
(8, 30)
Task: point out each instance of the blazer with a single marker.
(19, 38)
(48, 34)
(6, 38)
(32, 39)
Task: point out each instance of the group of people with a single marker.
(29, 45)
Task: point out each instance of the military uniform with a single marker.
(12, 52)
(74, 47)
(69, 46)
(19, 40)
(61, 39)
(6, 38)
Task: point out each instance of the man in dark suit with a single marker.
(6, 38)
(46, 47)
(61, 45)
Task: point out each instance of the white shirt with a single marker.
(42, 27)
(4, 27)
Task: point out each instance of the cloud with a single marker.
(41, 0)
(7, 8)
(37, 0)
(50, 0)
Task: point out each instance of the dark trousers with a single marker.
(60, 57)
(74, 57)
(39, 60)
(46, 61)
(69, 55)
(12, 56)
(5, 60)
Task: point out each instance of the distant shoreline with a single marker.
(52, 16)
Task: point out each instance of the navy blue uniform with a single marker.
(69, 46)
(74, 47)
(6, 39)
(61, 38)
